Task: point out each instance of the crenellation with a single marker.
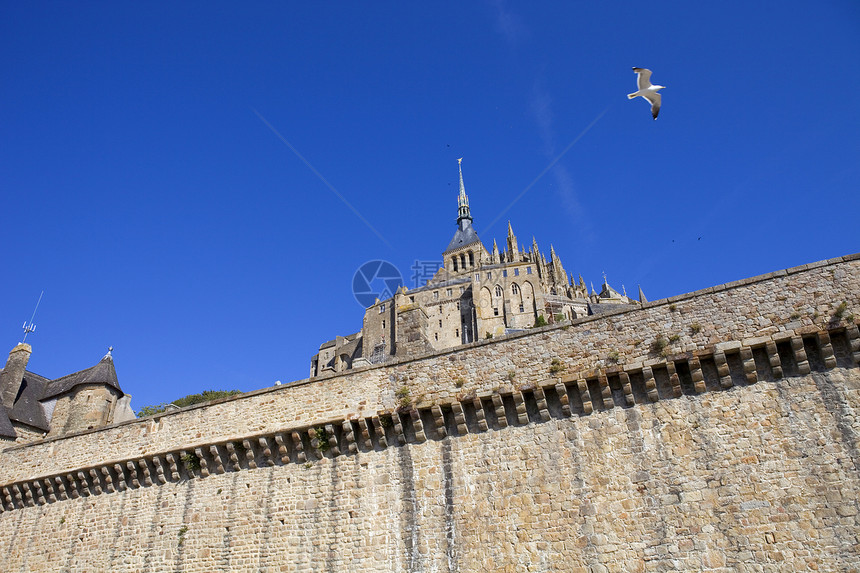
(749, 366)
(541, 403)
(131, 474)
(674, 379)
(250, 454)
(283, 450)
(460, 418)
(853, 334)
(520, 408)
(172, 462)
(298, 447)
(683, 448)
(773, 358)
(826, 349)
(74, 492)
(696, 374)
(800, 357)
(203, 461)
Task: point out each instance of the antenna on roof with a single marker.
(28, 328)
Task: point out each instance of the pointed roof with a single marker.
(465, 234)
(102, 373)
(462, 238)
(642, 295)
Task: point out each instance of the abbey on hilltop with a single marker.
(476, 294)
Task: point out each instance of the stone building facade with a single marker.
(476, 294)
(713, 431)
(34, 407)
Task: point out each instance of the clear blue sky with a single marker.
(163, 217)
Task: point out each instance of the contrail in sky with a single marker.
(323, 179)
(548, 167)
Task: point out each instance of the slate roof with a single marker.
(102, 373)
(462, 237)
(6, 429)
(27, 408)
(604, 308)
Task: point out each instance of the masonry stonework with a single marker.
(716, 431)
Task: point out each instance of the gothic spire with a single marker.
(462, 199)
(513, 250)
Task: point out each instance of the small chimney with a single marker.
(13, 374)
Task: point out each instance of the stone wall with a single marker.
(715, 430)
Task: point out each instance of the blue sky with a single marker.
(142, 191)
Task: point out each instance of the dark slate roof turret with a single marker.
(102, 373)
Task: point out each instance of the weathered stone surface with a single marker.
(757, 477)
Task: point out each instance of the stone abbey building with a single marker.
(476, 294)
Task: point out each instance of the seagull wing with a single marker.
(644, 78)
(655, 100)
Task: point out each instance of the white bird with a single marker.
(647, 90)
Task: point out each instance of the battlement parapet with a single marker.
(683, 342)
(720, 367)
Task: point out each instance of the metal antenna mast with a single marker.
(28, 328)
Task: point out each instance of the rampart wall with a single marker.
(712, 431)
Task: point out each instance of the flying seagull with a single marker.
(647, 90)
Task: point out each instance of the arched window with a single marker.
(471, 259)
(515, 289)
(498, 290)
(454, 258)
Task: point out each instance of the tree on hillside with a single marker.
(205, 396)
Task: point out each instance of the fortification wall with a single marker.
(731, 447)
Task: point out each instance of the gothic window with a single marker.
(515, 289)
(498, 290)
(516, 272)
(455, 263)
(449, 292)
(489, 276)
(528, 270)
(477, 277)
(471, 259)
(505, 273)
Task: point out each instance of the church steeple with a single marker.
(464, 218)
(465, 234)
